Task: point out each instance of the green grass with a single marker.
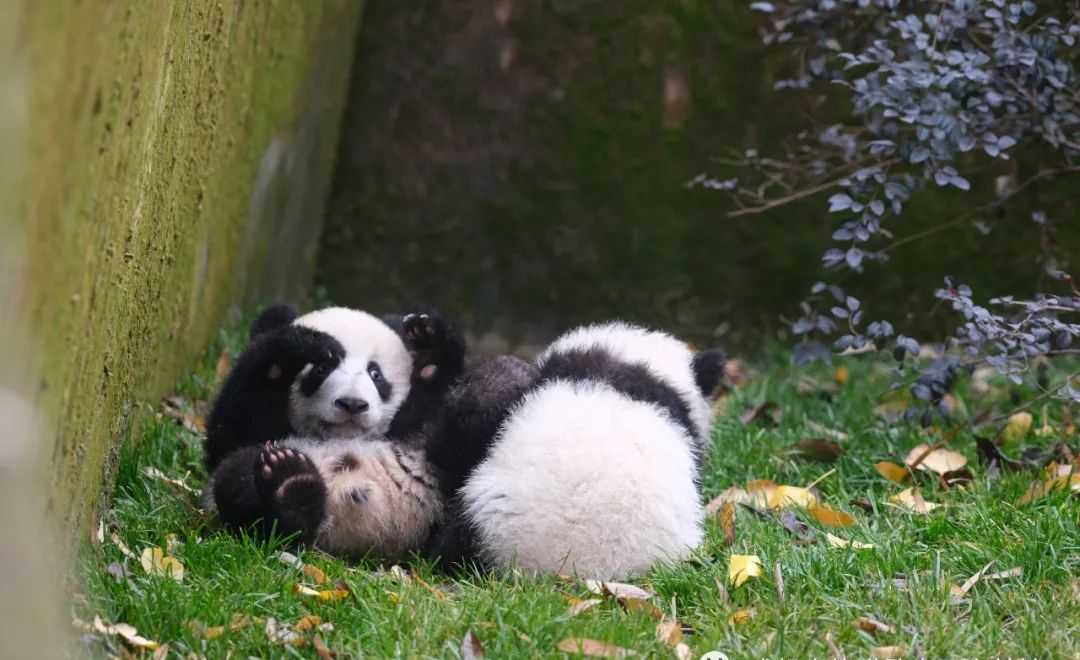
(1034, 615)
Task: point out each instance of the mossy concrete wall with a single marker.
(179, 159)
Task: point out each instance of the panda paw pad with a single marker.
(278, 469)
(422, 331)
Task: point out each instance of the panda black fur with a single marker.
(320, 428)
(594, 469)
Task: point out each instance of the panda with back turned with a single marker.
(590, 468)
(320, 429)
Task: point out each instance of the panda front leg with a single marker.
(438, 350)
(291, 491)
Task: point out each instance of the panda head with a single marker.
(363, 393)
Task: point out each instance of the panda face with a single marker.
(361, 396)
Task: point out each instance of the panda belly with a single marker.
(381, 497)
(584, 480)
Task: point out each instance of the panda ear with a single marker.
(272, 318)
(709, 370)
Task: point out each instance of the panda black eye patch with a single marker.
(381, 384)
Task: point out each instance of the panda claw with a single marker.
(275, 467)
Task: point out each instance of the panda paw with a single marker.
(279, 470)
(425, 336)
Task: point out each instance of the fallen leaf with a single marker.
(798, 528)
(290, 559)
(184, 412)
(239, 621)
(160, 653)
(118, 571)
(1041, 488)
(471, 647)
(154, 473)
(839, 436)
(683, 652)
(778, 579)
(743, 567)
(617, 589)
(282, 634)
(307, 622)
(155, 562)
(741, 616)
(224, 363)
(785, 496)
(841, 375)
(912, 500)
(124, 550)
(329, 595)
(957, 477)
(202, 631)
(1015, 571)
(1016, 428)
(765, 411)
(837, 654)
(863, 503)
(888, 651)
(125, 631)
(669, 632)
(872, 626)
(891, 471)
(593, 648)
(937, 460)
(315, 573)
(830, 517)
(818, 449)
(578, 605)
(324, 651)
(837, 542)
(727, 522)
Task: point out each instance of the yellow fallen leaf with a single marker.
(912, 500)
(939, 460)
(239, 621)
(888, 651)
(741, 616)
(160, 653)
(837, 542)
(325, 653)
(1041, 488)
(743, 567)
(202, 631)
(1017, 427)
(891, 471)
(727, 522)
(578, 605)
(669, 632)
(785, 496)
(315, 573)
(155, 562)
(829, 517)
(641, 605)
(593, 648)
(307, 622)
(872, 626)
(841, 375)
(329, 595)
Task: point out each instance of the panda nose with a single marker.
(351, 405)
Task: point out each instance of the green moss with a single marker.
(158, 132)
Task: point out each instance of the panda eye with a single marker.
(375, 373)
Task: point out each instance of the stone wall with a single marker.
(179, 156)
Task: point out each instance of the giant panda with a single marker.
(593, 469)
(320, 428)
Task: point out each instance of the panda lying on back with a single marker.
(320, 428)
(593, 470)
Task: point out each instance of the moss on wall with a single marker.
(179, 159)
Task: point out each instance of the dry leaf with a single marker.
(1015, 571)
(124, 550)
(282, 634)
(639, 605)
(1066, 477)
(683, 652)
(841, 375)
(125, 631)
(801, 530)
(578, 605)
(239, 621)
(839, 436)
(160, 653)
(617, 589)
(778, 578)
(937, 460)
(766, 411)
(328, 595)
(315, 573)
(743, 567)
(323, 650)
(785, 496)
(872, 626)
(837, 542)
(888, 651)
(669, 632)
(290, 559)
(829, 517)
(154, 473)
(179, 409)
(593, 648)
(961, 591)
(727, 522)
(741, 616)
(891, 471)
(308, 622)
(912, 500)
(818, 449)
(202, 631)
(471, 647)
(1016, 428)
(155, 562)
(224, 363)
(833, 648)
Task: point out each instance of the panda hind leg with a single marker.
(292, 491)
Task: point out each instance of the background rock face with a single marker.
(522, 163)
(178, 159)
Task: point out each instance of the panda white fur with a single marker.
(319, 429)
(594, 471)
